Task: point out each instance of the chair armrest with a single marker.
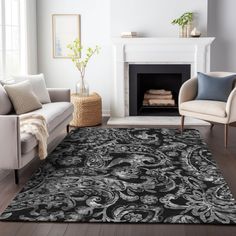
(10, 148)
(59, 94)
(231, 107)
(188, 91)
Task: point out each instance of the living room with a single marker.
(117, 117)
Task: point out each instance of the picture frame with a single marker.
(65, 29)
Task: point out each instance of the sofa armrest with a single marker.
(10, 148)
(188, 90)
(59, 94)
(231, 107)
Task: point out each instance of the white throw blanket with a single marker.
(36, 125)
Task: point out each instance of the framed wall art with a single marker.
(65, 29)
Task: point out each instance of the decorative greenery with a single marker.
(184, 19)
(81, 63)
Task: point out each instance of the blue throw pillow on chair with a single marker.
(214, 88)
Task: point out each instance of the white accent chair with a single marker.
(211, 111)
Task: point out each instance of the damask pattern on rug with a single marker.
(127, 176)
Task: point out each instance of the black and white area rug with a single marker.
(127, 176)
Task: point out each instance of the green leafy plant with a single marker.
(183, 20)
(81, 63)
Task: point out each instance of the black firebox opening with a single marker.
(148, 84)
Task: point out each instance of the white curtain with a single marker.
(29, 19)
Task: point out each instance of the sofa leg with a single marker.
(68, 129)
(226, 135)
(16, 173)
(182, 124)
(212, 126)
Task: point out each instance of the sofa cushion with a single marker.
(54, 113)
(214, 88)
(212, 108)
(5, 103)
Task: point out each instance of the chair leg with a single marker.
(16, 173)
(182, 124)
(226, 135)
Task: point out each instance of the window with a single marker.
(10, 38)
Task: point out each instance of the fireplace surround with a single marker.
(194, 52)
(158, 77)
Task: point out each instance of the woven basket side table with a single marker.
(87, 110)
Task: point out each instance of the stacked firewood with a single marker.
(158, 97)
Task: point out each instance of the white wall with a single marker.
(102, 19)
(222, 26)
(152, 18)
(95, 23)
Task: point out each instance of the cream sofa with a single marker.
(211, 111)
(17, 150)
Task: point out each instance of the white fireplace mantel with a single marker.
(193, 51)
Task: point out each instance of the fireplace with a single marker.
(130, 54)
(154, 89)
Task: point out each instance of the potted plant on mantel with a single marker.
(82, 87)
(185, 23)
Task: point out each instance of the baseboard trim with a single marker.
(106, 113)
(155, 120)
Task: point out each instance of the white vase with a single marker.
(189, 28)
(185, 31)
(181, 32)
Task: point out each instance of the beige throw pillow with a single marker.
(38, 85)
(22, 97)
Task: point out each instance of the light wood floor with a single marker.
(225, 158)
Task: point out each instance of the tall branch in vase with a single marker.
(81, 63)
